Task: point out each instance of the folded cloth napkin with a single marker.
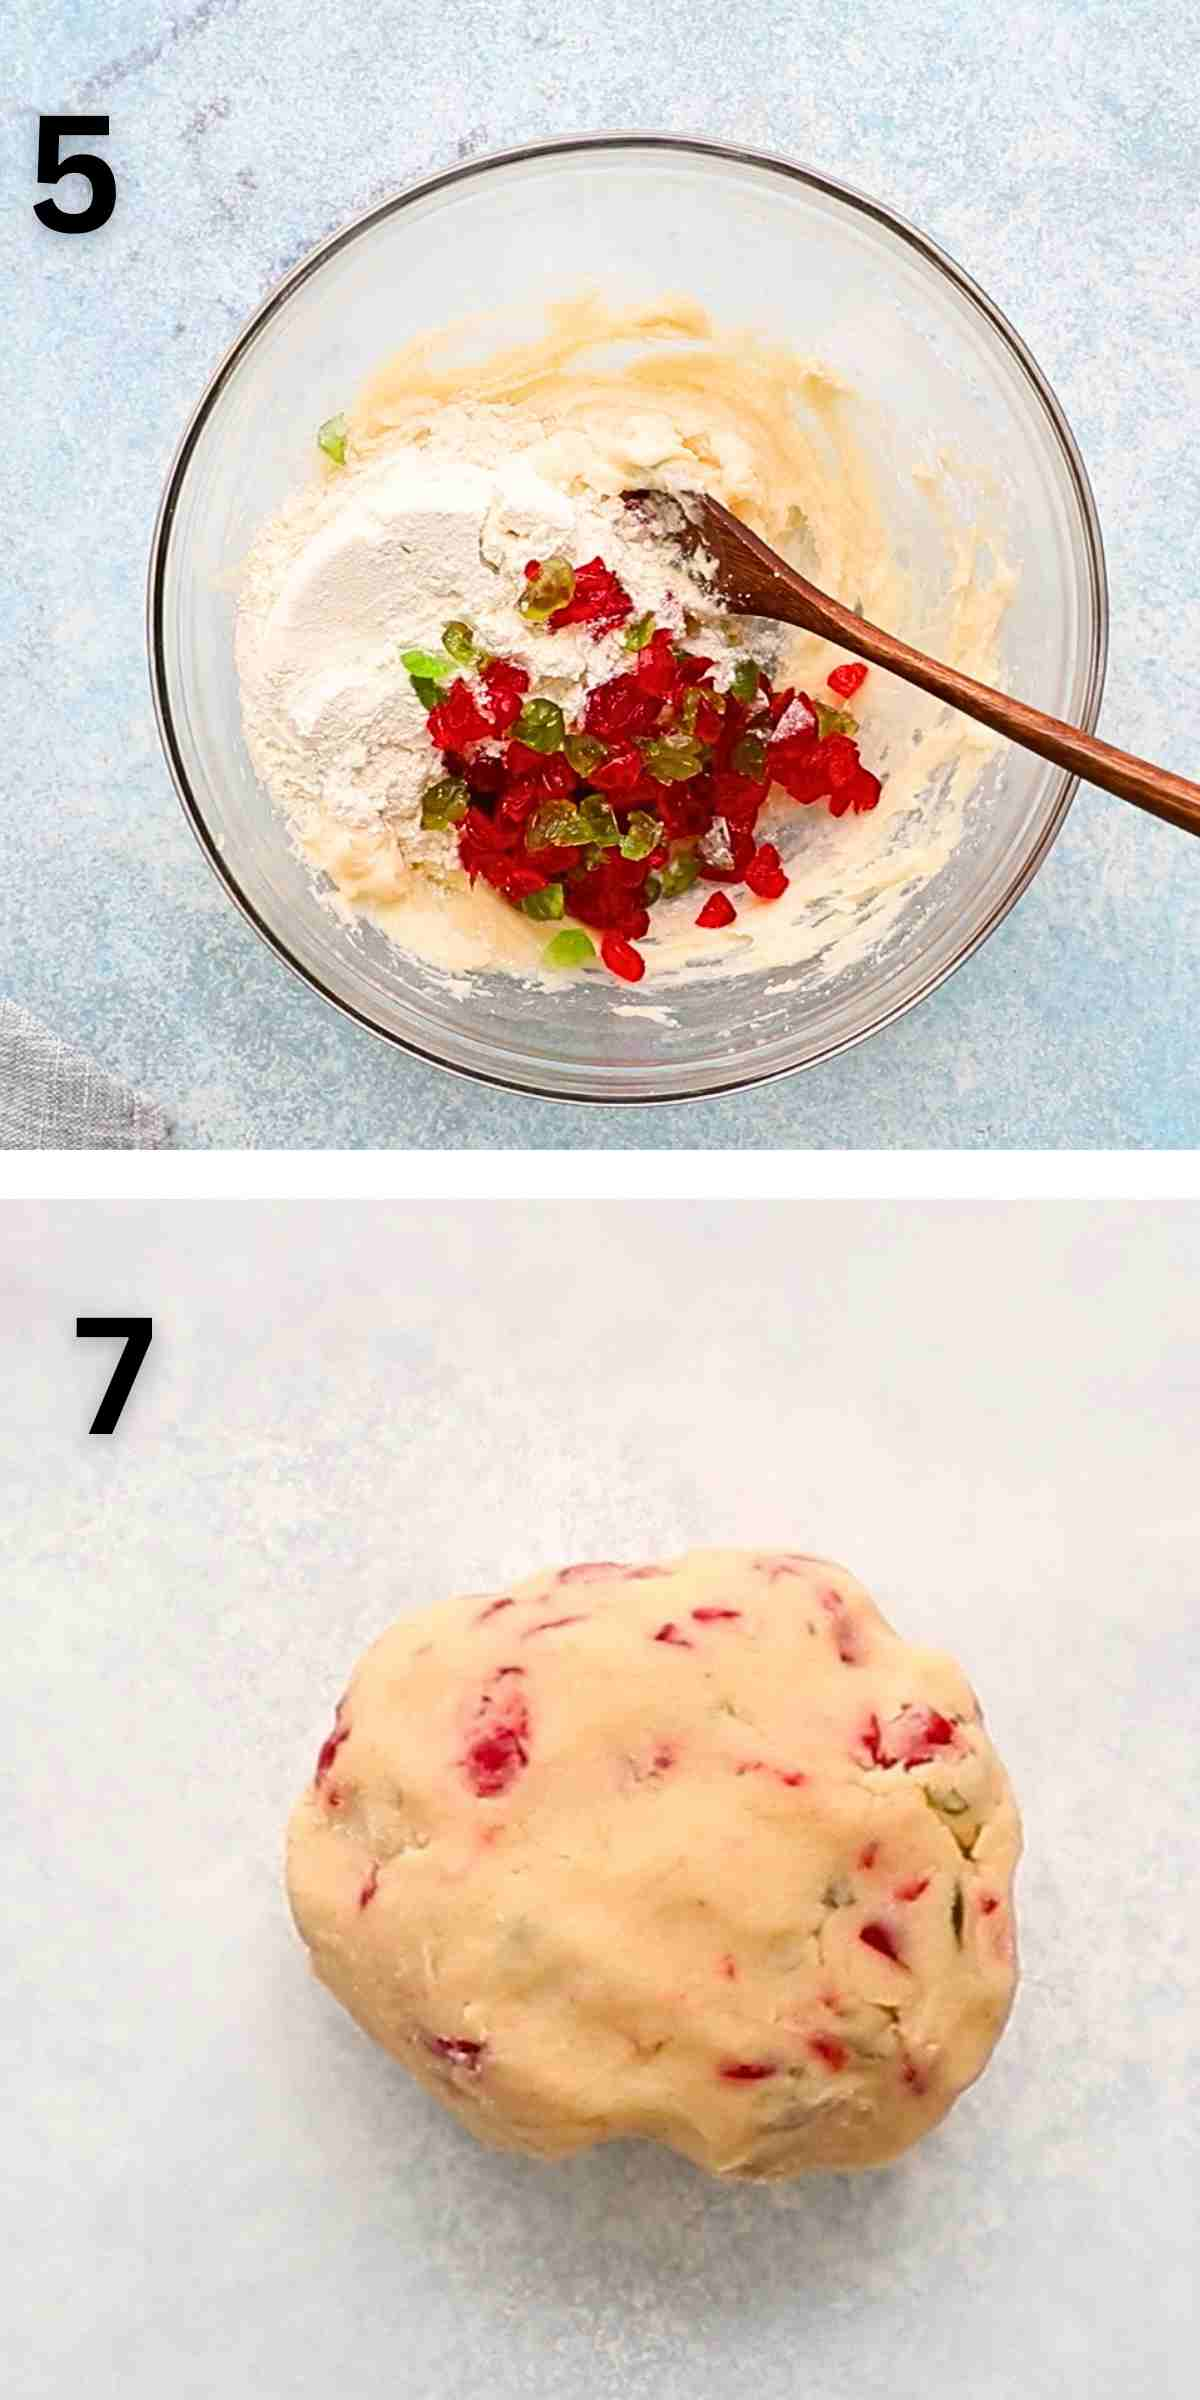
(53, 1098)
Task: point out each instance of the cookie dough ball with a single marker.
(700, 1852)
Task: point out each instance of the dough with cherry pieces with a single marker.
(701, 1852)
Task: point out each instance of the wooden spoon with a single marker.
(754, 581)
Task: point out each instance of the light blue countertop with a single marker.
(1048, 148)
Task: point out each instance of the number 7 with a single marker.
(137, 1333)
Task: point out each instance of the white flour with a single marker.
(376, 559)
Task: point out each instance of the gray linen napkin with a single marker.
(53, 1098)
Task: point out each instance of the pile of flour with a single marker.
(375, 559)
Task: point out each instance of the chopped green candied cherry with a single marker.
(458, 640)
(839, 1893)
(947, 1804)
(584, 751)
(544, 904)
(331, 438)
(548, 590)
(956, 1914)
(651, 890)
(744, 680)
(603, 831)
(673, 757)
(428, 692)
(431, 665)
(445, 803)
(642, 835)
(750, 757)
(834, 720)
(638, 632)
(679, 874)
(558, 825)
(570, 948)
(540, 726)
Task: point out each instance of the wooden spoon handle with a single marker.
(1163, 795)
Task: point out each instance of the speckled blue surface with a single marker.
(1045, 146)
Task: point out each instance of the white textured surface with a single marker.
(214, 2185)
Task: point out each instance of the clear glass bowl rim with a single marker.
(578, 145)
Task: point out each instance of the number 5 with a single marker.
(51, 169)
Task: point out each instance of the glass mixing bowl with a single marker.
(831, 273)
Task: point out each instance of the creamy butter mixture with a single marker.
(455, 474)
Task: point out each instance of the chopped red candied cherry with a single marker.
(910, 1739)
(658, 780)
(860, 792)
(764, 875)
(494, 1760)
(506, 687)
(792, 1777)
(458, 720)
(521, 883)
(881, 1938)
(745, 2070)
(596, 599)
(845, 1632)
(832, 2053)
(847, 680)
(840, 754)
(620, 707)
(802, 771)
(456, 2052)
(498, 1750)
(658, 668)
(331, 1745)
(793, 719)
(621, 958)
(717, 910)
(622, 772)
